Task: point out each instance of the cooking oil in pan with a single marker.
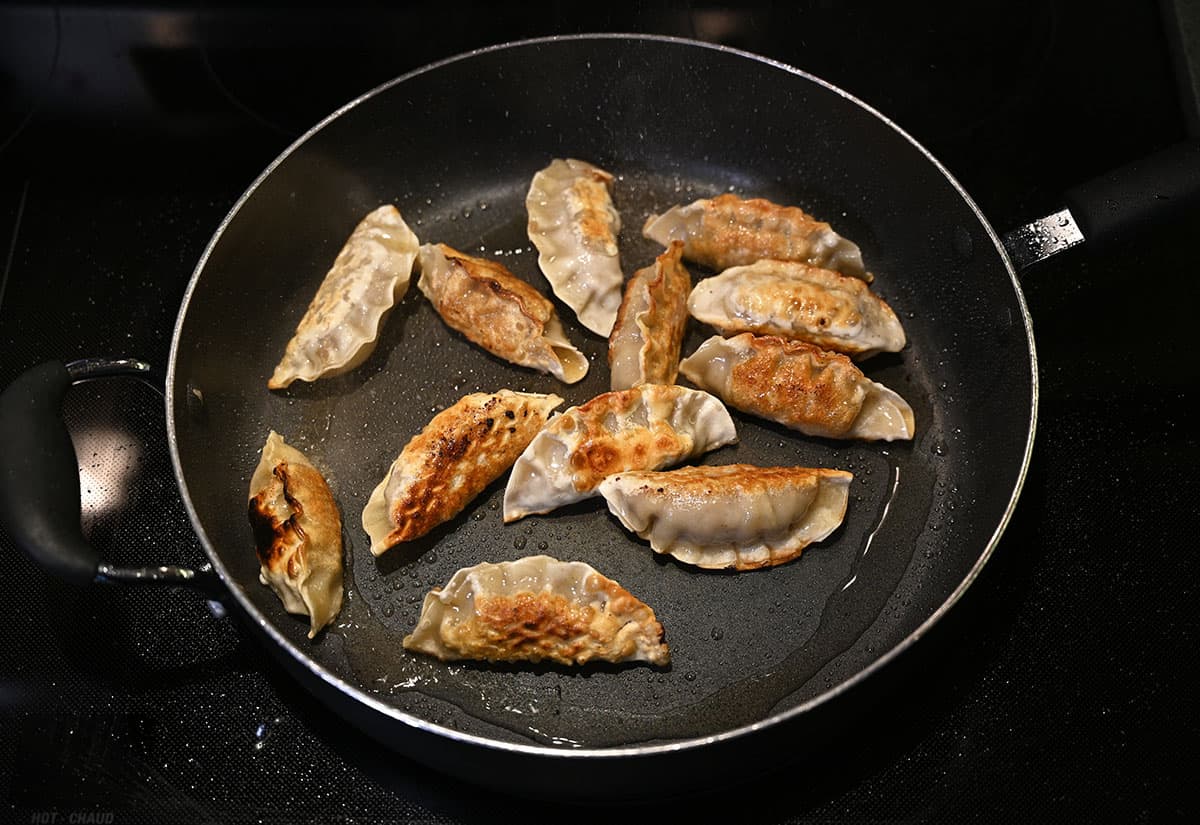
(568, 707)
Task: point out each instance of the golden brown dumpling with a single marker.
(534, 609)
(801, 386)
(645, 342)
(730, 231)
(498, 311)
(798, 301)
(461, 451)
(298, 533)
(648, 427)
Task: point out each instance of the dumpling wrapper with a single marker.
(645, 342)
(732, 516)
(498, 311)
(801, 302)
(648, 427)
(534, 609)
(462, 450)
(730, 231)
(800, 386)
(297, 533)
(340, 328)
(574, 225)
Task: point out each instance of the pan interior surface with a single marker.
(454, 147)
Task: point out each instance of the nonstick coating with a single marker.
(454, 147)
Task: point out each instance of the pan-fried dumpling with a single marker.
(498, 311)
(801, 386)
(648, 427)
(339, 330)
(796, 300)
(730, 231)
(533, 609)
(644, 345)
(297, 532)
(460, 452)
(733, 516)
(574, 225)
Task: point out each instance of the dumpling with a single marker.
(644, 345)
(733, 516)
(340, 327)
(799, 301)
(461, 451)
(498, 311)
(801, 386)
(730, 231)
(297, 532)
(644, 428)
(533, 609)
(574, 225)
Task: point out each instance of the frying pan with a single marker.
(454, 145)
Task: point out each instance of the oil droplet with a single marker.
(389, 610)
(519, 542)
(263, 732)
(717, 634)
(543, 545)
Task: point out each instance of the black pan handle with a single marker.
(1115, 206)
(40, 499)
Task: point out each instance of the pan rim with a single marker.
(620, 752)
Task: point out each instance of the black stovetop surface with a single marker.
(1059, 688)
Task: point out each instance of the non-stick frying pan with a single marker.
(454, 146)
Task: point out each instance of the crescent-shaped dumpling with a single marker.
(498, 311)
(574, 225)
(645, 342)
(534, 609)
(462, 450)
(339, 330)
(798, 301)
(801, 386)
(733, 516)
(648, 427)
(730, 231)
(297, 533)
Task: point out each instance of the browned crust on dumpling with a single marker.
(547, 626)
(462, 450)
(704, 480)
(798, 384)
(799, 301)
(599, 454)
(667, 284)
(310, 509)
(737, 231)
(480, 304)
(591, 194)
